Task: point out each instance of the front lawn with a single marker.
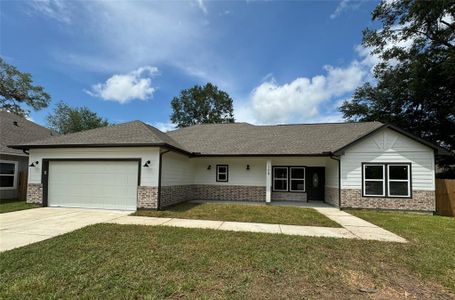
(243, 213)
(132, 261)
(14, 204)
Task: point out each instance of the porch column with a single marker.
(268, 183)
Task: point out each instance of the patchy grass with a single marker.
(243, 213)
(14, 205)
(131, 261)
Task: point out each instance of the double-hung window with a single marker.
(386, 180)
(8, 174)
(280, 179)
(399, 180)
(374, 180)
(297, 179)
(222, 173)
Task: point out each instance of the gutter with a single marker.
(158, 204)
(337, 158)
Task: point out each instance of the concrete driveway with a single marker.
(24, 227)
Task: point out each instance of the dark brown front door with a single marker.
(315, 183)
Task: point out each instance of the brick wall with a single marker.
(331, 196)
(176, 194)
(147, 197)
(420, 201)
(286, 196)
(35, 193)
(229, 192)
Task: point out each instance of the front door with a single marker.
(315, 183)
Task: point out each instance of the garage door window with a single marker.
(8, 174)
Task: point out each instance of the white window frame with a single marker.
(299, 179)
(408, 180)
(12, 175)
(274, 179)
(224, 173)
(377, 180)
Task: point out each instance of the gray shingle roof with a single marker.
(131, 133)
(24, 132)
(222, 139)
(247, 139)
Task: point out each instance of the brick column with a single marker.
(147, 197)
(35, 193)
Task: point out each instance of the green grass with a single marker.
(243, 213)
(14, 205)
(131, 261)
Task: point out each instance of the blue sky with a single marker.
(281, 62)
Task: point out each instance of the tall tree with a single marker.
(17, 90)
(202, 104)
(414, 86)
(66, 119)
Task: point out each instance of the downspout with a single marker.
(339, 178)
(158, 204)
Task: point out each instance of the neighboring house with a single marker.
(14, 130)
(134, 165)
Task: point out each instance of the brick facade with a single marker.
(332, 196)
(286, 196)
(35, 193)
(229, 192)
(420, 201)
(176, 194)
(147, 197)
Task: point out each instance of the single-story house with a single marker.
(134, 165)
(13, 162)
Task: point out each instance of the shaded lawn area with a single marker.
(14, 205)
(242, 213)
(131, 261)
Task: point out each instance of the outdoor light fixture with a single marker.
(34, 164)
(147, 163)
(209, 167)
(248, 167)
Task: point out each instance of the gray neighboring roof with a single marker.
(247, 139)
(24, 132)
(135, 133)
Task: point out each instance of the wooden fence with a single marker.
(22, 186)
(445, 197)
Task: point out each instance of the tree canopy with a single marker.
(414, 81)
(66, 119)
(202, 104)
(17, 90)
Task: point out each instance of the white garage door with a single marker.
(93, 184)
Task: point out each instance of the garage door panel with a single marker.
(93, 184)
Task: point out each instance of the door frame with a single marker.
(310, 180)
(45, 170)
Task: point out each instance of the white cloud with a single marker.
(345, 5)
(164, 127)
(301, 99)
(126, 87)
(202, 6)
(54, 9)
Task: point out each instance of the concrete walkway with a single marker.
(20, 228)
(24, 227)
(353, 227)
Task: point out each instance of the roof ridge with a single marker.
(154, 130)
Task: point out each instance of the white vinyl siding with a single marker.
(388, 146)
(176, 169)
(149, 175)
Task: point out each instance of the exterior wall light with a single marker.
(34, 164)
(147, 164)
(247, 167)
(209, 167)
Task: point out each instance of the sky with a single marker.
(281, 62)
